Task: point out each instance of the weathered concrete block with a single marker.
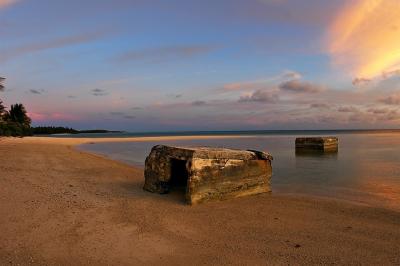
(328, 144)
(207, 173)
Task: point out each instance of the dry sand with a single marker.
(60, 206)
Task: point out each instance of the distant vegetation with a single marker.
(53, 130)
(98, 131)
(65, 130)
(14, 122)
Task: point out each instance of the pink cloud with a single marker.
(44, 117)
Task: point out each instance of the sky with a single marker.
(169, 65)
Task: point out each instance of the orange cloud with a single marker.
(364, 38)
(5, 3)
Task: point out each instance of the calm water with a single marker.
(365, 170)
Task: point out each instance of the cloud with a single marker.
(364, 38)
(237, 86)
(348, 109)
(299, 86)
(290, 75)
(7, 54)
(122, 115)
(361, 81)
(174, 96)
(35, 91)
(388, 74)
(261, 97)
(6, 3)
(99, 92)
(393, 99)
(136, 108)
(320, 105)
(378, 111)
(199, 103)
(46, 117)
(264, 83)
(117, 113)
(71, 97)
(163, 54)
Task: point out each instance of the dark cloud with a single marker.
(123, 115)
(260, 96)
(299, 86)
(348, 109)
(99, 92)
(35, 91)
(136, 108)
(199, 103)
(361, 81)
(163, 54)
(320, 105)
(117, 113)
(393, 99)
(378, 111)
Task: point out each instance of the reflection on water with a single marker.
(319, 154)
(366, 169)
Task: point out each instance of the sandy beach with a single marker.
(61, 206)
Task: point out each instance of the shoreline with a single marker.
(79, 141)
(76, 142)
(61, 205)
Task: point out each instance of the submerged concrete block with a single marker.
(325, 144)
(207, 173)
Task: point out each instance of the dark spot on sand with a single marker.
(297, 246)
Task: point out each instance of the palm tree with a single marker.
(19, 115)
(2, 108)
(2, 83)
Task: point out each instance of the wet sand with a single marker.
(66, 207)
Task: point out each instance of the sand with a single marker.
(60, 206)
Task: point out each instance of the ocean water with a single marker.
(366, 169)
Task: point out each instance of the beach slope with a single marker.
(60, 206)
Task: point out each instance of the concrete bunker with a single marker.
(317, 144)
(206, 174)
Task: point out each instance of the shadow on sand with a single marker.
(135, 190)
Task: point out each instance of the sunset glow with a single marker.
(365, 37)
(210, 65)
